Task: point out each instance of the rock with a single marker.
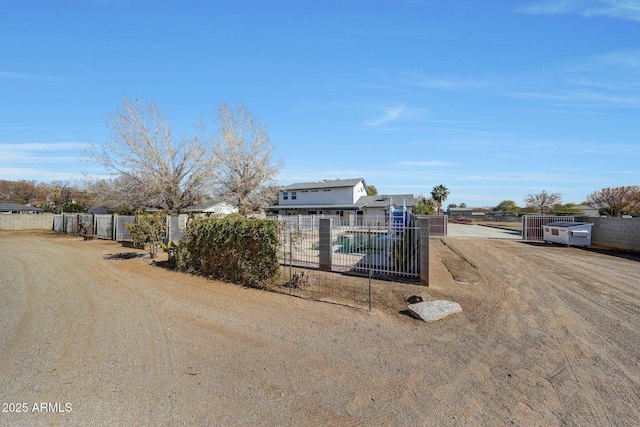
(434, 310)
(414, 299)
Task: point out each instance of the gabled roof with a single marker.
(334, 183)
(6, 206)
(97, 211)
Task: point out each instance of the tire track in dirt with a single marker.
(90, 323)
(605, 313)
(156, 367)
(564, 339)
(520, 352)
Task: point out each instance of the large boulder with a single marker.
(430, 311)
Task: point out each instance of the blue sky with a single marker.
(494, 99)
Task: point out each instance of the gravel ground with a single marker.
(548, 336)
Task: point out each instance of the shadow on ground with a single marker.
(630, 255)
(125, 255)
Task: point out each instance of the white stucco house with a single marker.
(339, 197)
(220, 208)
(214, 208)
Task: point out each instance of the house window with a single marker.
(285, 195)
(293, 195)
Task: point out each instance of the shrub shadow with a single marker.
(124, 255)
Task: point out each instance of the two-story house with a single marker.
(342, 197)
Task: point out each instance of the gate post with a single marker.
(423, 250)
(325, 244)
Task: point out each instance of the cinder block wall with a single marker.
(23, 222)
(619, 233)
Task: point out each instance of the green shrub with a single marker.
(148, 230)
(234, 249)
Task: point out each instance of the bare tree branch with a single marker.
(151, 169)
(246, 166)
(616, 201)
(543, 202)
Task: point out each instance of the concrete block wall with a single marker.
(619, 233)
(23, 222)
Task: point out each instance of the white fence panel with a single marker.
(120, 225)
(58, 223)
(176, 226)
(104, 226)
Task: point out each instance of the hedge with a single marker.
(233, 249)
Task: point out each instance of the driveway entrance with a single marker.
(479, 231)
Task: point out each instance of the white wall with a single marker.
(20, 222)
(324, 196)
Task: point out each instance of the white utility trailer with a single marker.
(568, 233)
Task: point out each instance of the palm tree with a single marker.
(439, 194)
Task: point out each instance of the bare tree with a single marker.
(616, 201)
(246, 165)
(150, 167)
(25, 191)
(543, 202)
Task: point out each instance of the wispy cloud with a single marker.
(395, 113)
(536, 177)
(44, 175)
(615, 71)
(42, 146)
(611, 79)
(42, 161)
(618, 9)
(7, 75)
(573, 98)
(449, 83)
(425, 163)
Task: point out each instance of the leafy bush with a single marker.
(234, 249)
(148, 230)
(73, 208)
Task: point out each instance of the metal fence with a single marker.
(112, 227)
(104, 226)
(437, 224)
(120, 226)
(382, 251)
(176, 226)
(532, 225)
(72, 223)
(349, 290)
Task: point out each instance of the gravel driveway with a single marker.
(548, 336)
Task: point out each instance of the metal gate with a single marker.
(532, 225)
(438, 225)
(383, 251)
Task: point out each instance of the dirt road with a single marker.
(548, 336)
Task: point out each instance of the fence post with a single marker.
(423, 250)
(325, 244)
(370, 275)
